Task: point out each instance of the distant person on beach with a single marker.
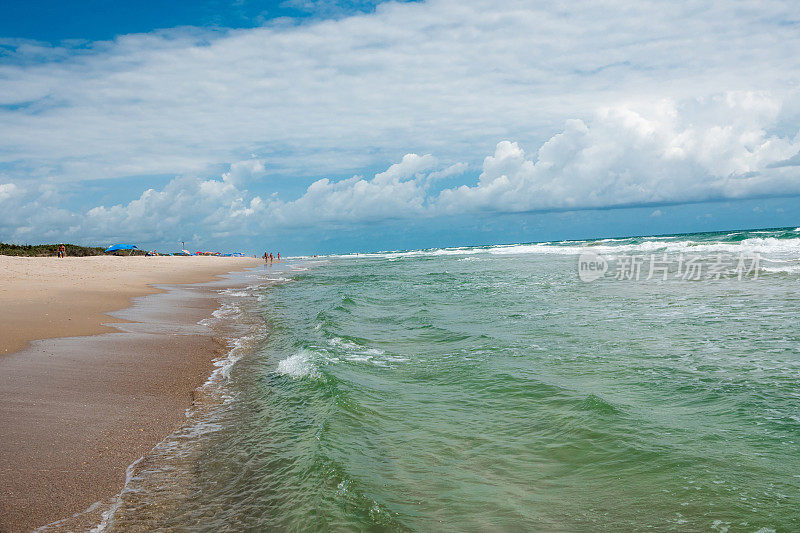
(265, 257)
(279, 257)
(62, 251)
(271, 259)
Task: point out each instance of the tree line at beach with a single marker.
(51, 250)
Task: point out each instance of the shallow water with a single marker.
(489, 388)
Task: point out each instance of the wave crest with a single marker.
(298, 365)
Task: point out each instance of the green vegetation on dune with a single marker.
(48, 250)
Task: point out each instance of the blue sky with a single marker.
(321, 126)
(96, 20)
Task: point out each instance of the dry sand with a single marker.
(74, 413)
(46, 297)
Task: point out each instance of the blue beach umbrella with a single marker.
(115, 247)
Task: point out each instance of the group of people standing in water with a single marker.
(268, 258)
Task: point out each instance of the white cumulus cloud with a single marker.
(711, 148)
(400, 191)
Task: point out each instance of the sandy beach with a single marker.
(42, 297)
(75, 412)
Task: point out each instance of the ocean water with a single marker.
(491, 389)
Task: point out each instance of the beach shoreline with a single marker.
(81, 404)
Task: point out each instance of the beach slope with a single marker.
(75, 412)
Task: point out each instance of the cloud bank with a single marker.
(713, 148)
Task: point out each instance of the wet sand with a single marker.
(76, 412)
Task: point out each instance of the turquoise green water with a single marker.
(489, 389)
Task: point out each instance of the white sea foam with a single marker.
(226, 311)
(298, 365)
(355, 353)
(356, 358)
(786, 269)
(238, 348)
(761, 245)
(353, 347)
(235, 292)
